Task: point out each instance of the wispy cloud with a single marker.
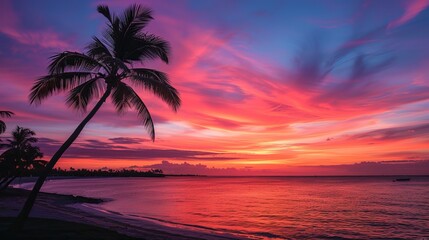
(127, 140)
(411, 10)
(96, 149)
(395, 133)
(12, 28)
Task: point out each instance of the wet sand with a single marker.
(57, 216)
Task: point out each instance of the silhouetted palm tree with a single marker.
(4, 114)
(19, 156)
(104, 70)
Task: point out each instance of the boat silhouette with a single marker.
(402, 180)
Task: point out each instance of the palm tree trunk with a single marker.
(7, 184)
(4, 181)
(25, 211)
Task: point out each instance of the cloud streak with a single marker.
(96, 149)
(11, 27)
(412, 9)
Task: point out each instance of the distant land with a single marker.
(405, 167)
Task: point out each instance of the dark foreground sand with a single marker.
(56, 216)
(46, 229)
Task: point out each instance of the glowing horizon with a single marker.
(265, 86)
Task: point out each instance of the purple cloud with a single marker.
(396, 133)
(127, 140)
(96, 149)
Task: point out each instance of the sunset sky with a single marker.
(267, 86)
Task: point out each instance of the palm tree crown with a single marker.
(20, 156)
(105, 67)
(20, 149)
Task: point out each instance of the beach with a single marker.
(57, 216)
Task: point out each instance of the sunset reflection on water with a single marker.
(271, 207)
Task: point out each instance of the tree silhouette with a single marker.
(20, 155)
(4, 114)
(105, 70)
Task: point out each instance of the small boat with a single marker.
(402, 180)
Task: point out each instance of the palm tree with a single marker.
(105, 70)
(19, 156)
(4, 114)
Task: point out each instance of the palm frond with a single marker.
(21, 137)
(124, 35)
(21, 134)
(80, 96)
(148, 46)
(32, 153)
(39, 163)
(152, 74)
(7, 153)
(3, 145)
(101, 52)
(134, 19)
(98, 49)
(2, 127)
(118, 63)
(50, 84)
(143, 113)
(72, 61)
(103, 9)
(158, 83)
(111, 35)
(120, 97)
(125, 97)
(6, 114)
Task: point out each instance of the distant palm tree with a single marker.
(4, 114)
(101, 72)
(20, 155)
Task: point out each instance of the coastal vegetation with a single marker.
(20, 156)
(106, 69)
(83, 172)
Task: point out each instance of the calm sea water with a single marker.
(270, 207)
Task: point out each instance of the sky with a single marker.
(268, 87)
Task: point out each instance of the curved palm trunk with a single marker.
(25, 211)
(3, 187)
(3, 180)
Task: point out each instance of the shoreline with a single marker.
(71, 210)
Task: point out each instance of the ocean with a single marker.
(269, 207)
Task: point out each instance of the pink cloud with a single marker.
(412, 9)
(10, 26)
(44, 38)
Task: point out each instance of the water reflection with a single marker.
(272, 207)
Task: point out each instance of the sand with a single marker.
(73, 216)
